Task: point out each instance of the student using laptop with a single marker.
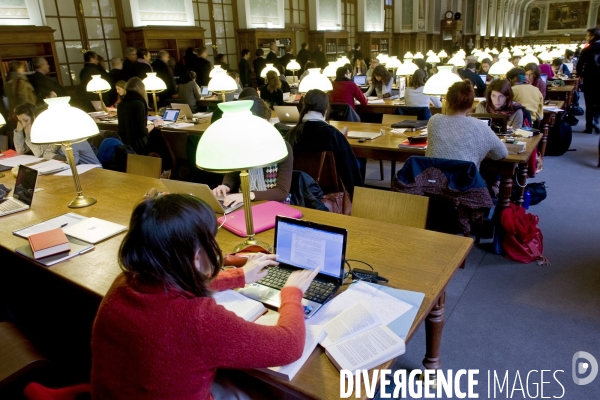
(269, 183)
(534, 77)
(360, 68)
(189, 91)
(82, 151)
(499, 99)
(345, 90)
(171, 264)
(132, 114)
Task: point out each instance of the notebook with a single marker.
(360, 80)
(301, 245)
(201, 191)
(263, 216)
(287, 114)
(94, 230)
(22, 194)
(363, 135)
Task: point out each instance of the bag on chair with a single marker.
(338, 201)
(522, 239)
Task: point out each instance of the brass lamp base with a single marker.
(82, 201)
(252, 242)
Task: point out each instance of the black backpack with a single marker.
(559, 138)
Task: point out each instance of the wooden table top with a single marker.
(566, 88)
(196, 129)
(412, 259)
(390, 141)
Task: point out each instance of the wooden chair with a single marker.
(17, 354)
(144, 165)
(389, 119)
(398, 208)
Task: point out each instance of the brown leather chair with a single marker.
(17, 354)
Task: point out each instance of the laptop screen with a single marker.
(483, 77)
(544, 77)
(204, 91)
(308, 245)
(170, 115)
(360, 80)
(25, 184)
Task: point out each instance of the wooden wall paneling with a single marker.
(174, 39)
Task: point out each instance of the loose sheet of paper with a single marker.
(51, 166)
(68, 219)
(353, 321)
(81, 168)
(386, 307)
(18, 160)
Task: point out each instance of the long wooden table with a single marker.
(56, 305)
(563, 93)
(386, 147)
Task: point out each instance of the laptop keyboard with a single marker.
(318, 292)
(11, 205)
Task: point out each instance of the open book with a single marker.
(356, 339)
(239, 304)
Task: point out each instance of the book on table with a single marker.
(356, 339)
(242, 306)
(48, 243)
(408, 145)
(77, 247)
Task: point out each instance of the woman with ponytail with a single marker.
(457, 136)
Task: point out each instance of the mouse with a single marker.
(362, 140)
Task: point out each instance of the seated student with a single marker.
(534, 77)
(121, 91)
(268, 183)
(235, 94)
(527, 95)
(285, 86)
(345, 90)
(314, 134)
(271, 92)
(132, 114)
(499, 100)
(309, 64)
(160, 334)
(189, 91)
(469, 73)
(360, 68)
(414, 97)
(546, 69)
(456, 136)
(382, 83)
(484, 69)
(374, 63)
(560, 70)
(25, 113)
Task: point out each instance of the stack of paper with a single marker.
(81, 168)
(19, 160)
(50, 167)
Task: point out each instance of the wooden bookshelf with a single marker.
(253, 39)
(26, 43)
(373, 43)
(174, 39)
(334, 42)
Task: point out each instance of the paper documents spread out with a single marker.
(81, 168)
(18, 160)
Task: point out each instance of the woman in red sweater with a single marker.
(159, 334)
(345, 90)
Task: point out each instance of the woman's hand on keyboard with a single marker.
(302, 279)
(255, 268)
(221, 190)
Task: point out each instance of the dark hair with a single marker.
(471, 66)
(141, 53)
(89, 56)
(259, 52)
(27, 109)
(189, 76)
(486, 61)
(314, 100)
(594, 33)
(340, 73)
(310, 64)
(189, 51)
(383, 73)
(248, 92)
(419, 62)
(200, 50)
(515, 73)
(569, 53)
(417, 79)
(460, 96)
(303, 45)
(244, 52)
(356, 46)
(535, 69)
(280, 68)
(557, 62)
(260, 108)
(165, 234)
(233, 74)
(219, 58)
(501, 86)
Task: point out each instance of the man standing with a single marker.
(91, 67)
(116, 71)
(469, 73)
(286, 58)
(588, 68)
(349, 52)
(128, 70)
(202, 67)
(356, 54)
(319, 57)
(43, 85)
(302, 57)
(142, 65)
(164, 72)
(259, 64)
(244, 68)
(272, 56)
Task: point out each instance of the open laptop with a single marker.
(22, 194)
(204, 92)
(303, 245)
(483, 77)
(360, 80)
(544, 77)
(287, 114)
(201, 191)
(184, 109)
(170, 116)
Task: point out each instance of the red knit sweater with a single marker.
(155, 344)
(346, 92)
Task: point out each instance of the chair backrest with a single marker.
(343, 112)
(144, 165)
(176, 141)
(498, 120)
(389, 119)
(422, 113)
(398, 208)
(320, 165)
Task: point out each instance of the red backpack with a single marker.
(522, 239)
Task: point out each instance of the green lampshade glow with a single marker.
(239, 141)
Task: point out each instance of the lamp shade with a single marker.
(439, 83)
(153, 83)
(518, 52)
(457, 61)
(418, 54)
(482, 56)
(545, 56)
(239, 141)
(222, 83)
(429, 53)
(269, 67)
(442, 54)
(215, 70)
(433, 59)
(408, 56)
(393, 62)
(529, 58)
(344, 60)
(2, 120)
(407, 69)
(97, 85)
(330, 70)
(315, 80)
(61, 123)
(293, 65)
(501, 67)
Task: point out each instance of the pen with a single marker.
(63, 225)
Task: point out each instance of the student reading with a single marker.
(159, 334)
